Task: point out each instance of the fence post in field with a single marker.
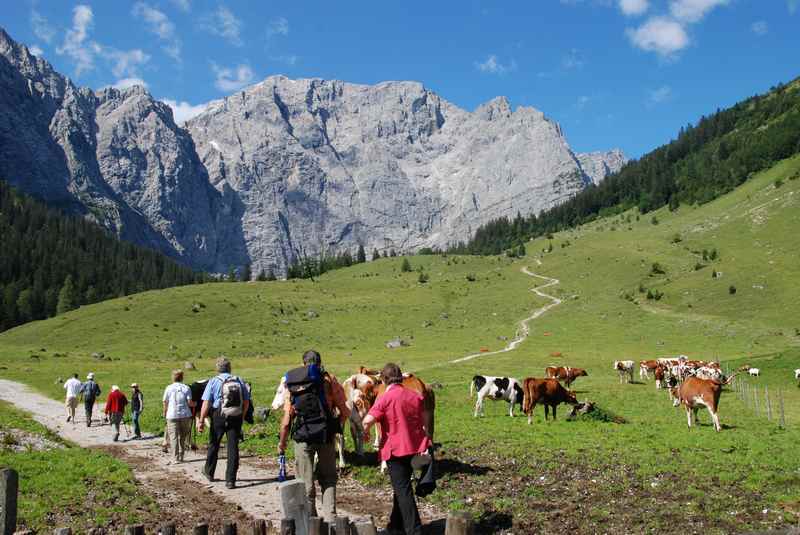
(228, 528)
(168, 529)
(755, 399)
(9, 488)
(769, 404)
(68, 531)
(315, 526)
(342, 525)
(259, 527)
(458, 524)
(365, 527)
(137, 529)
(200, 529)
(287, 526)
(294, 504)
(782, 418)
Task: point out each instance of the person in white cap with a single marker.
(137, 406)
(73, 388)
(89, 392)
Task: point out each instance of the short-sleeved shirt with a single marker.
(213, 391)
(178, 396)
(73, 387)
(400, 412)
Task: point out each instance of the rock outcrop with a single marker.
(284, 168)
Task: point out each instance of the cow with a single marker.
(625, 369)
(565, 373)
(660, 374)
(197, 388)
(645, 367)
(754, 372)
(360, 393)
(496, 388)
(797, 376)
(694, 392)
(280, 398)
(708, 372)
(548, 392)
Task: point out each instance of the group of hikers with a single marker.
(314, 413)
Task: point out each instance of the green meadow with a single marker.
(722, 284)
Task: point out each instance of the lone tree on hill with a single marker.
(361, 255)
(406, 267)
(231, 274)
(521, 252)
(67, 298)
(247, 273)
(376, 255)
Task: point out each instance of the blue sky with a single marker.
(614, 73)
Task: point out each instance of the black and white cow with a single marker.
(496, 388)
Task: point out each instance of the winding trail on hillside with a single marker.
(524, 329)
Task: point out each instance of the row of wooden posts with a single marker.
(763, 403)
(457, 523)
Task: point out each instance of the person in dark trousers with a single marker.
(115, 409)
(401, 415)
(89, 392)
(137, 406)
(226, 399)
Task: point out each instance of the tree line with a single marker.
(705, 161)
(52, 263)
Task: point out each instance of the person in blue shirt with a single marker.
(225, 399)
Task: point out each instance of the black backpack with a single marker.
(312, 417)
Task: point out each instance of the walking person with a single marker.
(401, 415)
(178, 413)
(226, 400)
(309, 414)
(73, 388)
(89, 392)
(115, 409)
(137, 406)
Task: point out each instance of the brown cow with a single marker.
(645, 367)
(548, 392)
(565, 373)
(694, 392)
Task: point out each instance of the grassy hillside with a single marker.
(649, 473)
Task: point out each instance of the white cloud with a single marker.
(183, 111)
(493, 66)
(41, 28)
(660, 95)
(159, 24)
(632, 8)
(573, 60)
(183, 5)
(692, 11)
(278, 26)
(126, 63)
(662, 35)
(75, 45)
(125, 83)
(36, 51)
(232, 78)
(224, 23)
(760, 27)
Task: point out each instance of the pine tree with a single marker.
(231, 274)
(247, 273)
(521, 252)
(376, 255)
(406, 266)
(271, 275)
(361, 255)
(262, 276)
(67, 299)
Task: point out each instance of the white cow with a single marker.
(496, 388)
(625, 370)
(754, 372)
(797, 374)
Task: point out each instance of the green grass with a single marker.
(70, 486)
(648, 474)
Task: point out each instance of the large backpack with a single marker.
(91, 392)
(232, 397)
(312, 416)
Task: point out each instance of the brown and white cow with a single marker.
(694, 393)
(645, 367)
(548, 392)
(625, 370)
(360, 391)
(565, 373)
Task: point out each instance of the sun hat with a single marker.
(114, 388)
(90, 376)
(134, 385)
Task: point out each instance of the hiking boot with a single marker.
(69, 418)
(209, 477)
(230, 484)
(165, 449)
(116, 438)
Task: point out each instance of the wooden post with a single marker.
(365, 527)
(287, 526)
(168, 529)
(96, 531)
(259, 527)
(755, 399)
(200, 529)
(342, 525)
(229, 528)
(315, 526)
(781, 418)
(137, 529)
(65, 531)
(458, 524)
(769, 404)
(9, 489)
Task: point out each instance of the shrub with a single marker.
(423, 278)
(732, 289)
(471, 277)
(713, 255)
(714, 274)
(654, 220)
(698, 266)
(656, 269)
(406, 266)
(677, 238)
(778, 183)
(642, 289)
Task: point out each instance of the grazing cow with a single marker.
(695, 392)
(754, 372)
(496, 388)
(797, 375)
(645, 367)
(359, 393)
(565, 373)
(660, 375)
(625, 370)
(743, 368)
(197, 388)
(548, 392)
(708, 372)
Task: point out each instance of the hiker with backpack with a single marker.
(115, 409)
(226, 399)
(309, 415)
(178, 413)
(73, 387)
(401, 415)
(89, 392)
(137, 406)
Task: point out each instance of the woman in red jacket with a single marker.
(115, 408)
(401, 414)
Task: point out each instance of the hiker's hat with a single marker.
(90, 376)
(134, 385)
(114, 388)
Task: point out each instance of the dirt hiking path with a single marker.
(256, 494)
